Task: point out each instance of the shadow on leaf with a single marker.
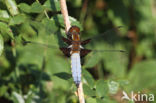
(63, 75)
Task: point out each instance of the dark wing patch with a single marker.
(66, 51)
(69, 35)
(85, 42)
(84, 52)
(69, 42)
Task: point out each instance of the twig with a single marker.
(67, 26)
(80, 93)
(65, 14)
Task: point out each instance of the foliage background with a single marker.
(37, 74)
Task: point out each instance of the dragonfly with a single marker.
(75, 51)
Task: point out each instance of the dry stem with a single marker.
(80, 93)
(65, 14)
(67, 26)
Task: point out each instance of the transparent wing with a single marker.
(113, 62)
(108, 53)
(110, 36)
(56, 64)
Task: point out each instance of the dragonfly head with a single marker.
(74, 32)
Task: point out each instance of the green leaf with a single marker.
(36, 8)
(91, 100)
(88, 78)
(113, 87)
(4, 16)
(1, 44)
(115, 62)
(5, 29)
(17, 98)
(59, 20)
(53, 5)
(123, 83)
(37, 26)
(3, 90)
(77, 3)
(61, 65)
(145, 48)
(50, 26)
(45, 27)
(118, 13)
(105, 100)
(12, 7)
(63, 75)
(102, 88)
(142, 75)
(27, 30)
(88, 91)
(74, 21)
(131, 101)
(91, 60)
(33, 54)
(18, 19)
(147, 18)
(25, 7)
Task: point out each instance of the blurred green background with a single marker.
(37, 74)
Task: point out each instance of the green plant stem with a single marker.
(45, 12)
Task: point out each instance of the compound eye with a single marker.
(74, 29)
